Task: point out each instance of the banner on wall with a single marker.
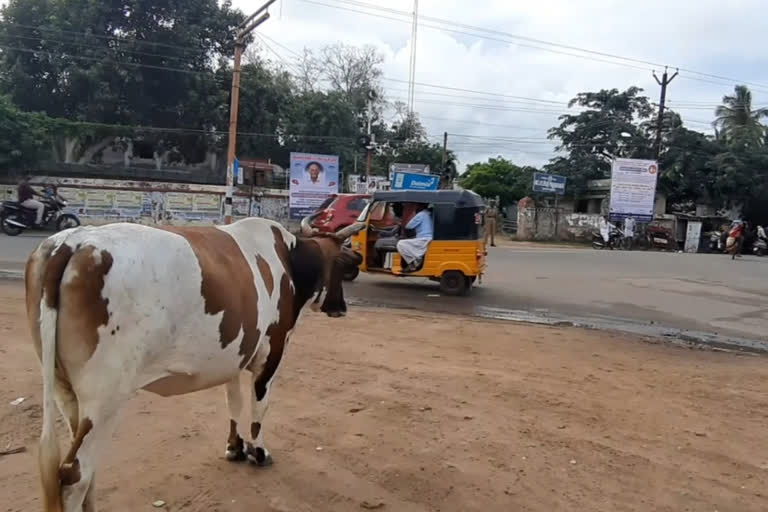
(313, 179)
(633, 189)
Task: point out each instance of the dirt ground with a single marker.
(399, 411)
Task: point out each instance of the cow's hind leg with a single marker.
(77, 470)
(69, 407)
(263, 378)
(235, 445)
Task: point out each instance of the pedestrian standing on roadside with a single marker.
(629, 230)
(491, 214)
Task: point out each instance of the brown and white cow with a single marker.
(172, 310)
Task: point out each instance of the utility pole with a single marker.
(445, 149)
(664, 82)
(371, 141)
(443, 170)
(246, 27)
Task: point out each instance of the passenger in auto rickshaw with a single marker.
(413, 249)
(414, 217)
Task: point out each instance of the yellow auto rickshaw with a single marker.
(455, 257)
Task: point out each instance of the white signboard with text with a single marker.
(633, 189)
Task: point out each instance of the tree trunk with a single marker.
(128, 154)
(91, 151)
(70, 146)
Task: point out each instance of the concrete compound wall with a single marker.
(579, 226)
(539, 224)
(98, 201)
(554, 224)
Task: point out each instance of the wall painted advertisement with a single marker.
(633, 189)
(313, 179)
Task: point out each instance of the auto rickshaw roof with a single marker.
(457, 198)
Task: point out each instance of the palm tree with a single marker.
(736, 119)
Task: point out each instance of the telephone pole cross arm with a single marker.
(246, 27)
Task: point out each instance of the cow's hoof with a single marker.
(335, 314)
(235, 455)
(265, 463)
(259, 457)
(314, 307)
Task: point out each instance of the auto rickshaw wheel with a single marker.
(454, 282)
(351, 274)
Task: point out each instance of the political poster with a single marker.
(313, 179)
(633, 189)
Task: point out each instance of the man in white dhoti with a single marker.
(629, 228)
(605, 229)
(413, 249)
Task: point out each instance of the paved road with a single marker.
(708, 293)
(14, 250)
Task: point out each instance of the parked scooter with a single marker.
(14, 218)
(760, 248)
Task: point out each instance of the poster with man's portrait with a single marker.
(313, 179)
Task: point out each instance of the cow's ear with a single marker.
(334, 304)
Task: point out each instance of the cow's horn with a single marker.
(350, 230)
(306, 228)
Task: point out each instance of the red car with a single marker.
(339, 211)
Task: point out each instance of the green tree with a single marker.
(608, 127)
(738, 121)
(136, 62)
(689, 173)
(406, 141)
(267, 99)
(23, 136)
(499, 177)
(322, 122)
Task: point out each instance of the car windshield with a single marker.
(328, 203)
(364, 213)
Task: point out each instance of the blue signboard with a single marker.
(414, 181)
(548, 183)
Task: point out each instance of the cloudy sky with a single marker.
(524, 62)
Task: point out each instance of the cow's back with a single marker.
(173, 309)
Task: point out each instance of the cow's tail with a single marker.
(49, 455)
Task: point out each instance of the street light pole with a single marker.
(246, 27)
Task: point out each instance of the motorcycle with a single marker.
(713, 241)
(760, 247)
(14, 218)
(616, 240)
(659, 238)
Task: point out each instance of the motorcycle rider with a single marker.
(736, 239)
(761, 234)
(26, 198)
